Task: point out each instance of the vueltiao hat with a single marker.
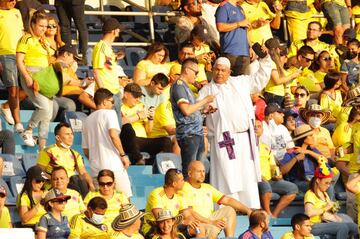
(302, 131)
(312, 107)
(353, 98)
(128, 214)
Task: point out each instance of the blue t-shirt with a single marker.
(249, 235)
(151, 100)
(185, 125)
(234, 42)
(54, 229)
(353, 70)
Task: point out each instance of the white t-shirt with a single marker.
(96, 138)
(278, 137)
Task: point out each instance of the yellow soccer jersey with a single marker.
(334, 105)
(318, 46)
(139, 125)
(290, 235)
(11, 30)
(35, 52)
(158, 199)
(163, 117)
(83, 228)
(266, 161)
(104, 59)
(5, 219)
(202, 199)
(53, 156)
(74, 205)
(25, 201)
(120, 235)
(310, 197)
(308, 79)
(152, 69)
(354, 164)
(113, 204)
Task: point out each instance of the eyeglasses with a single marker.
(60, 201)
(51, 26)
(301, 95)
(326, 58)
(103, 184)
(39, 181)
(308, 59)
(196, 72)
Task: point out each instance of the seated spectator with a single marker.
(353, 186)
(259, 105)
(127, 223)
(5, 219)
(321, 66)
(60, 181)
(272, 180)
(275, 134)
(322, 211)
(154, 93)
(351, 65)
(259, 223)
(200, 198)
(89, 224)
(338, 15)
(53, 38)
(302, 95)
(301, 226)
(115, 200)
(29, 199)
(154, 62)
(53, 224)
(169, 197)
(315, 116)
(166, 226)
(262, 19)
(330, 97)
(290, 121)
(299, 163)
(61, 154)
(134, 134)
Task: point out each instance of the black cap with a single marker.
(349, 34)
(200, 31)
(273, 107)
(35, 172)
(134, 89)
(70, 49)
(111, 24)
(289, 113)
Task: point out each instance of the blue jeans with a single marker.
(192, 148)
(339, 229)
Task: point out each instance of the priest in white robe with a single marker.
(235, 165)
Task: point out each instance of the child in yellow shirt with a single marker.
(5, 220)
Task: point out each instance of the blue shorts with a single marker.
(9, 75)
(336, 14)
(281, 187)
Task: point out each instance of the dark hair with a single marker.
(315, 66)
(305, 50)
(302, 87)
(331, 79)
(160, 78)
(156, 47)
(106, 172)
(353, 42)
(256, 217)
(101, 95)
(353, 113)
(171, 176)
(315, 22)
(189, 61)
(298, 219)
(187, 44)
(58, 40)
(97, 202)
(58, 168)
(28, 188)
(183, 4)
(59, 126)
(37, 16)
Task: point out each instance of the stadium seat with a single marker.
(140, 202)
(16, 185)
(133, 55)
(12, 167)
(165, 161)
(23, 149)
(17, 233)
(142, 191)
(135, 169)
(155, 180)
(29, 160)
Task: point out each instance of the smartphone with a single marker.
(258, 50)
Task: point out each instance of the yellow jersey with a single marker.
(139, 125)
(290, 235)
(11, 30)
(82, 227)
(25, 201)
(334, 105)
(354, 163)
(310, 197)
(150, 69)
(74, 205)
(121, 235)
(5, 219)
(267, 160)
(35, 52)
(163, 117)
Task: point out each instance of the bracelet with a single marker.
(122, 155)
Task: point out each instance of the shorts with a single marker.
(335, 14)
(222, 214)
(281, 187)
(9, 75)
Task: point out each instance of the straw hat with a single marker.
(302, 131)
(312, 107)
(128, 214)
(353, 98)
(166, 214)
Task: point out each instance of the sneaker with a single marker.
(28, 139)
(6, 113)
(19, 128)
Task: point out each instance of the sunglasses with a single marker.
(326, 58)
(51, 26)
(103, 184)
(39, 181)
(297, 95)
(196, 72)
(308, 59)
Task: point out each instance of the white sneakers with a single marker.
(18, 127)
(6, 113)
(28, 139)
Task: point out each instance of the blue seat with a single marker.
(277, 232)
(75, 119)
(23, 149)
(25, 115)
(142, 191)
(155, 180)
(12, 167)
(165, 161)
(140, 202)
(10, 199)
(135, 169)
(280, 222)
(29, 160)
(16, 185)
(133, 55)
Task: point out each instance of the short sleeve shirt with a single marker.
(354, 164)
(121, 235)
(266, 160)
(290, 235)
(310, 197)
(234, 42)
(185, 125)
(11, 30)
(36, 53)
(25, 201)
(53, 227)
(74, 205)
(150, 69)
(158, 199)
(139, 125)
(202, 199)
(5, 218)
(353, 69)
(163, 117)
(82, 227)
(250, 235)
(323, 142)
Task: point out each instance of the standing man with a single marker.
(101, 142)
(189, 128)
(233, 28)
(234, 167)
(73, 9)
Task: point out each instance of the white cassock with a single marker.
(235, 164)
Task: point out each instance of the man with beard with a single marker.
(258, 226)
(185, 24)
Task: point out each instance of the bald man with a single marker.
(201, 197)
(234, 165)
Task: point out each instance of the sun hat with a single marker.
(353, 97)
(166, 214)
(302, 131)
(128, 214)
(55, 194)
(312, 107)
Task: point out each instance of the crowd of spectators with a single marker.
(268, 116)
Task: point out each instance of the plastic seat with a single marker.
(29, 160)
(165, 161)
(135, 169)
(16, 185)
(23, 149)
(140, 202)
(12, 167)
(25, 115)
(134, 54)
(155, 180)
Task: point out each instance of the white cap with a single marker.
(223, 61)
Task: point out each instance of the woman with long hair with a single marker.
(302, 95)
(322, 65)
(166, 226)
(154, 62)
(53, 38)
(29, 199)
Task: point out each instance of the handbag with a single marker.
(336, 217)
(49, 81)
